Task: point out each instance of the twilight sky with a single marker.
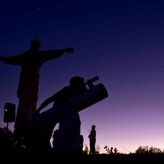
(120, 41)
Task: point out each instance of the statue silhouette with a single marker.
(30, 62)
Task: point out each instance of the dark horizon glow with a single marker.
(120, 41)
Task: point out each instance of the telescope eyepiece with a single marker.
(91, 81)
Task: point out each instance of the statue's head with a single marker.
(35, 44)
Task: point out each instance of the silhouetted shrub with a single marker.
(147, 150)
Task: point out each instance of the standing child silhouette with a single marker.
(92, 139)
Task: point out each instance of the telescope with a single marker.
(91, 96)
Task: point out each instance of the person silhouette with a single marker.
(92, 139)
(76, 86)
(68, 140)
(81, 143)
(30, 62)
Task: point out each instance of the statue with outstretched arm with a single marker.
(30, 62)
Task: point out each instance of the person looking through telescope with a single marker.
(68, 117)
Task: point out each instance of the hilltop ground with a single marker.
(101, 158)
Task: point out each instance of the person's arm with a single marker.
(52, 54)
(89, 135)
(45, 103)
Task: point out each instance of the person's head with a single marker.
(77, 81)
(35, 44)
(93, 127)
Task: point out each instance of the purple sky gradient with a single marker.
(121, 42)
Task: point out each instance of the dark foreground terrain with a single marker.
(100, 158)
